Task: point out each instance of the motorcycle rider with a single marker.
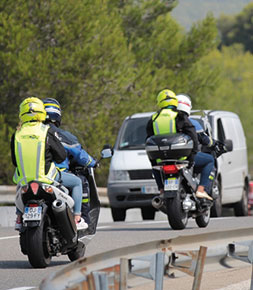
(168, 120)
(203, 162)
(34, 149)
(75, 153)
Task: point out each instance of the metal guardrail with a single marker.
(114, 265)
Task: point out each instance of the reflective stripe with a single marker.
(52, 173)
(21, 161)
(15, 175)
(171, 125)
(157, 128)
(86, 200)
(38, 160)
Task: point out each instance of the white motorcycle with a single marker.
(48, 226)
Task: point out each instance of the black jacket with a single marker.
(54, 151)
(184, 125)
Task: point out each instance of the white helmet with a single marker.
(184, 103)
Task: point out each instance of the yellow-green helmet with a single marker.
(166, 98)
(32, 109)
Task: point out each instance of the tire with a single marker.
(241, 207)
(118, 214)
(37, 245)
(216, 209)
(23, 242)
(177, 218)
(203, 220)
(148, 213)
(78, 252)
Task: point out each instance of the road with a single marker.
(17, 272)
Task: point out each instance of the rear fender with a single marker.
(170, 194)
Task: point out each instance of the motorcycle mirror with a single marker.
(228, 144)
(107, 151)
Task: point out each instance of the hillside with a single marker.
(190, 11)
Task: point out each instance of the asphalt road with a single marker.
(15, 270)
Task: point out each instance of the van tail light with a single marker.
(34, 186)
(168, 169)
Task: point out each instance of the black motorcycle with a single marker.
(48, 226)
(179, 201)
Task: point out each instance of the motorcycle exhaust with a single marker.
(157, 202)
(65, 220)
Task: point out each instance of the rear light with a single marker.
(168, 169)
(48, 188)
(34, 186)
(33, 205)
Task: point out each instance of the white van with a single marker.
(130, 181)
(233, 177)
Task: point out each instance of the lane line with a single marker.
(10, 237)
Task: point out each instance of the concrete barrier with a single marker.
(8, 192)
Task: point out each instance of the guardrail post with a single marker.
(248, 259)
(199, 268)
(101, 280)
(124, 269)
(194, 268)
(156, 269)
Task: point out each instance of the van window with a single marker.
(231, 131)
(133, 134)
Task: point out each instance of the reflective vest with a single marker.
(30, 143)
(164, 122)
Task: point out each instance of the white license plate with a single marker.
(32, 213)
(171, 184)
(149, 189)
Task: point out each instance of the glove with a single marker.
(191, 161)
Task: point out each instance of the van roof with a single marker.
(216, 113)
(210, 112)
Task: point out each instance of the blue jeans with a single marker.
(75, 184)
(204, 164)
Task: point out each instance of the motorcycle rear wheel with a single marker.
(37, 245)
(177, 218)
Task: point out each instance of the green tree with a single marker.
(234, 93)
(238, 29)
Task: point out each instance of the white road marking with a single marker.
(10, 237)
(22, 288)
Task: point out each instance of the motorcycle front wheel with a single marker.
(203, 220)
(177, 217)
(37, 245)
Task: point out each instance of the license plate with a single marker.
(32, 213)
(171, 184)
(149, 189)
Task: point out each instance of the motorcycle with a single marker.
(179, 201)
(48, 226)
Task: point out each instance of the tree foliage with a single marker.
(102, 60)
(238, 29)
(235, 91)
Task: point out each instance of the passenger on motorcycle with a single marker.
(168, 120)
(203, 162)
(75, 153)
(34, 149)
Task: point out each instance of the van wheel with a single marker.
(118, 214)
(148, 213)
(216, 209)
(241, 207)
